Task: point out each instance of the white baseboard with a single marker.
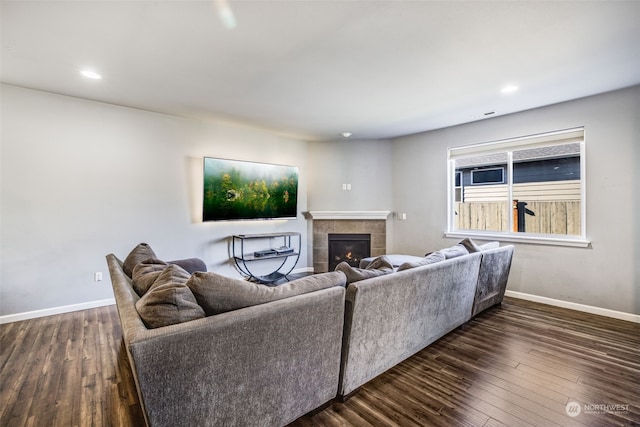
(621, 315)
(55, 310)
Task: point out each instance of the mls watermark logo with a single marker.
(573, 409)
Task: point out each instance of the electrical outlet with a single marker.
(349, 187)
(97, 276)
(344, 186)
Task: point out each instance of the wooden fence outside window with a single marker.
(556, 207)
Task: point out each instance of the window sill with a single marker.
(514, 238)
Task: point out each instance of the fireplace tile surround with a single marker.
(324, 223)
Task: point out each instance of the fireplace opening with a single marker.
(350, 248)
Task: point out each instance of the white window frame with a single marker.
(573, 135)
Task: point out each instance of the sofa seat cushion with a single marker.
(138, 254)
(169, 300)
(378, 267)
(219, 294)
(429, 259)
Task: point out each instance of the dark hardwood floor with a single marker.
(520, 364)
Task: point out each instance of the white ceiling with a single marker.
(314, 69)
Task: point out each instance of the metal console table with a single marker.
(290, 248)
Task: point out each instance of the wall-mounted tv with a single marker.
(239, 190)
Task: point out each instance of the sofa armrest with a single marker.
(492, 279)
(126, 298)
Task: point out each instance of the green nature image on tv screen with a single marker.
(237, 190)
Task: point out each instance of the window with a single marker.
(487, 176)
(458, 186)
(522, 189)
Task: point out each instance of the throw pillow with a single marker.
(218, 294)
(191, 265)
(432, 258)
(454, 251)
(139, 253)
(470, 245)
(380, 263)
(145, 274)
(395, 259)
(169, 300)
(489, 246)
(378, 267)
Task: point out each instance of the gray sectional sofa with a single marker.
(388, 318)
(251, 355)
(262, 365)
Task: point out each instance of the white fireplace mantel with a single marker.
(362, 215)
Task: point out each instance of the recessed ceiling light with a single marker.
(91, 74)
(346, 134)
(509, 89)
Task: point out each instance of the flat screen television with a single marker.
(239, 190)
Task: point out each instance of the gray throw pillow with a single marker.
(489, 246)
(169, 301)
(395, 259)
(140, 253)
(380, 263)
(378, 267)
(145, 273)
(454, 251)
(191, 265)
(432, 258)
(218, 294)
(470, 245)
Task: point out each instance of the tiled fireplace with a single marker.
(348, 247)
(350, 223)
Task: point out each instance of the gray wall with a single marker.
(82, 179)
(366, 165)
(607, 274)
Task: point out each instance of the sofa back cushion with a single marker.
(219, 294)
(169, 301)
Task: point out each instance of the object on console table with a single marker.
(290, 248)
